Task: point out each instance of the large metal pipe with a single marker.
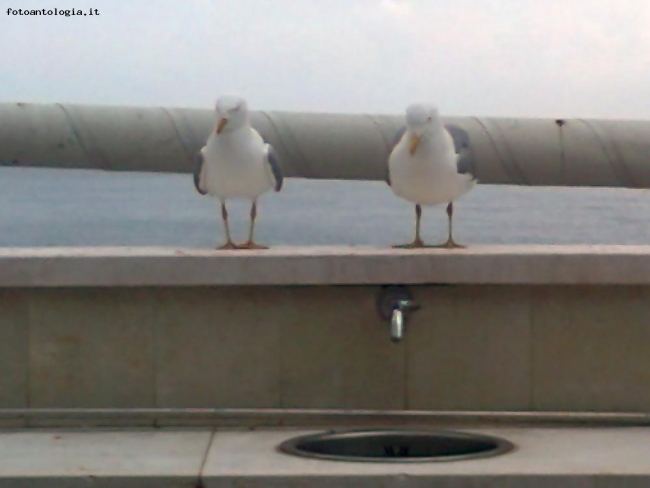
(574, 152)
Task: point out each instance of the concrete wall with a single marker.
(473, 345)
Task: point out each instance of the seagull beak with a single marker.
(413, 143)
(222, 123)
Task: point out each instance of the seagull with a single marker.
(236, 163)
(427, 166)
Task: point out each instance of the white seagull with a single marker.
(236, 163)
(428, 166)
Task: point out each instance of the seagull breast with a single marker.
(235, 165)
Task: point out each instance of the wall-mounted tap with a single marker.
(394, 303)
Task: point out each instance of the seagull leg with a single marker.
(451, 244)
(251, 244)
(224, 216)
(417, 242)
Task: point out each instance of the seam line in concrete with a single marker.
(153, 323)
(531, 350)
(280, 365)
(28, 366)
(199, 480)
(562, 156)
(405, 353)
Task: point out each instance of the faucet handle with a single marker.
(407, 305)
(394, 297)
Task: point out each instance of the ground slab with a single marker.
(120, 458)
(544, 458)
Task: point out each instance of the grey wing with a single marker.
(272, 159)
(465, 157)
(198, 167)
(396, 138)
(460, 136)
(465, 162)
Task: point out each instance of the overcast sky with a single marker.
(537, 58)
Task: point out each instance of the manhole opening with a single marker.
(395, 446)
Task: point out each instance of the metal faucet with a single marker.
(394, 303)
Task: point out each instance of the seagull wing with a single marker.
(396, 138)
(465, 163)
(459, 136)
(272, 160)
(465, 157)
(199, 173)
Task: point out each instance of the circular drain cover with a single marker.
(390, 446)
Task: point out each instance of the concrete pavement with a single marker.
(586, 457)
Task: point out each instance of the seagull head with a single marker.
(421, 119)
(232, 114)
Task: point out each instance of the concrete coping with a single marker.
(476, 265)
(543, 457)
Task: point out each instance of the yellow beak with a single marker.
(222, 123)
(413, 143)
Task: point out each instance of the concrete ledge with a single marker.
(125, 266)
(543, 458)
(110, 458)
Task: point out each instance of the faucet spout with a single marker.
(397, 325)
(398, 318)
(394, 304)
